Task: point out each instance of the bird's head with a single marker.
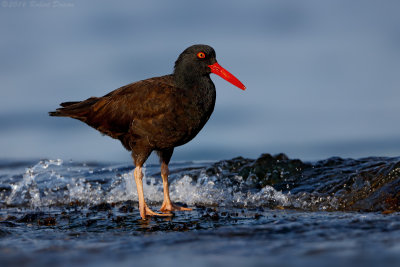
(200, 60)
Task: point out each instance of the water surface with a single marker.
(336, 211)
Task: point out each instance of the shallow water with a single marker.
(272, 210)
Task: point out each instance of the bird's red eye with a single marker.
(201, 55)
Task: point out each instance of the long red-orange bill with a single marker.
(224, 74)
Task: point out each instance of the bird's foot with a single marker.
(168, 207)
(148, 212)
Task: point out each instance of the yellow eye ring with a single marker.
(201, 55)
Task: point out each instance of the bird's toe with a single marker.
(168, 207)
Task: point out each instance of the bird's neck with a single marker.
(188, 78)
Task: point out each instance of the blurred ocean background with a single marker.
(323, 77)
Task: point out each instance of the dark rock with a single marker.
(276, 170)
(367, 184)
(30, 217)
(214, 216)
(5, 188)
(8, 224)
(119, 219)
(10, 218)
(257, 216)
(48, 221)
(126, 209)
(90, 222)
(101, 207)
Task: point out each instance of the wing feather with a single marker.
(114, 113)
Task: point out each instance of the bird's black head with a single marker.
(192, 64)
(196, 63)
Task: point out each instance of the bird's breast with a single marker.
(188, 114)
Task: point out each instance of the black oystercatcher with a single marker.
(156, 114)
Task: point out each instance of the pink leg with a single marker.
(167, 205)
(144, 209)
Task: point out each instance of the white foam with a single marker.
(50, 183)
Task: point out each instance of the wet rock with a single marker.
(101, 207)
(119, 219)
(10, 218)
(8, 224)
(367, 184)
(90, 222)
(30, 217)
(126, 209)
(214, 216)
(5, 188)
(278, 171)
(388, 211)
(48, 221)
(257, 216)
(273, 170)
(75, 203)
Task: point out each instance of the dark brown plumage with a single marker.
(156, 114)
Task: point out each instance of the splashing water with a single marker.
(51, 183)
(271, 182)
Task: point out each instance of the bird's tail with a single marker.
(77, 109)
